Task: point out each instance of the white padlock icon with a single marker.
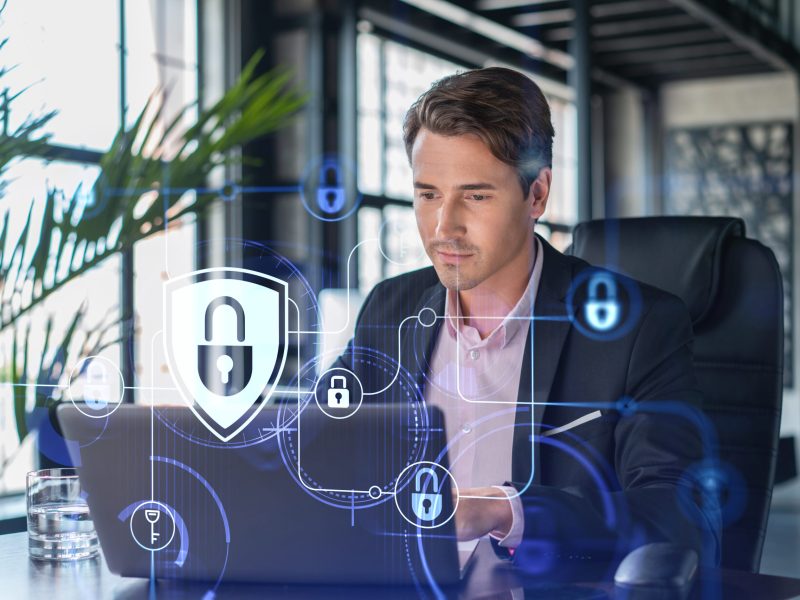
(97, 390)
(338, 397)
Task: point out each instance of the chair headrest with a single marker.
(680, 255)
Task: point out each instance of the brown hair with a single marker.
(504, 108)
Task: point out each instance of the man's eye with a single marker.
(478, 197)
(426, 195)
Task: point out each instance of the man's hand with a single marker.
(489, 511)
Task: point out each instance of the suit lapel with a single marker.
(548, 330)
(417, 340)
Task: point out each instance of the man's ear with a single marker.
(539, 191)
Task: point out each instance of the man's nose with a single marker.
(451, 219)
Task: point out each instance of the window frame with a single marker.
(10, 521)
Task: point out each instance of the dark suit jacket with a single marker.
(609, 484)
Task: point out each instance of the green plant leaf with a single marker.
(133, 165)
(149, 156)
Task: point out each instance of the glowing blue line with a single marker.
(258, 189)
(278, 429)
(438, 536)
(118, 192)
(201, 479)
(677, 408)
(602, 486)
(152, 586)
(210, 593)
(434, 587)
(180, 524)
(565, 318)
(687, 411)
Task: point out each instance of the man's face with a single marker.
(472, 215)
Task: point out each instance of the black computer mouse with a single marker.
(656, 571)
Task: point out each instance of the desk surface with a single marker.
(22, 577)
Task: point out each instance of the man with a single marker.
(500, 325)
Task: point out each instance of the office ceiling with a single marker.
(652, 41)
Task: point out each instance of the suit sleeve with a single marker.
(657, 438)
(662, 435)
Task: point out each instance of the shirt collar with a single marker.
(517, 318)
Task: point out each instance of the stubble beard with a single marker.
(455, 277)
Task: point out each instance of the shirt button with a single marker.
(466, 428)
(474, 354)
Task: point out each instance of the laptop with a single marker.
(296, 497)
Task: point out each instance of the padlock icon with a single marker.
(602, 308)
(96, 390)
(426, 505)
(330, 193)
(338, 397)
(225, 366)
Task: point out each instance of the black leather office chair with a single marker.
(732, 287)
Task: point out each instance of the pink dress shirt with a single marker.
(475, 382)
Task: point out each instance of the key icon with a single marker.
(152, 517)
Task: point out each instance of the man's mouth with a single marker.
(453, 258)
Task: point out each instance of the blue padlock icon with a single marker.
(602, 308)
(330, 193)
(427, 506)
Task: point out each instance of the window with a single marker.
(562, 205)
(28, 182)
(66, 56)
(66, 63)
(162, 55)
(391, 77)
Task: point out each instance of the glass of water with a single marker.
(59, 525)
